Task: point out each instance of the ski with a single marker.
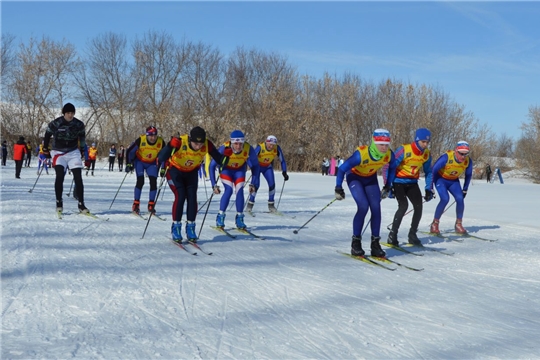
(196, 246)
(93, 216)
(467, 235)
(401, 249)
(279, 213)
(449, 253)
(159, 217)
(367, 261)
(247, 232)
(389, 261)
(250, 213)
(441, 236)
(223, 231)
(139, 216)
(181, 246)
(60, 215)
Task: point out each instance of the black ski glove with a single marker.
(429, 195)
(340, 194)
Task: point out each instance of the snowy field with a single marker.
(86, 288)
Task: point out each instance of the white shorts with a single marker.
(70, 159)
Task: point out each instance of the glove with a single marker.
(47, 153)
(340, 194)
(129, 168)
(464, 193)
(385, 191)
(175, 143)
(252, 189)
(217, 190)
(162, 172)
(228, 151)
(285, 176)
(429, 195)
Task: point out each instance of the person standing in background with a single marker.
(4, 152)
(488, 173)
(92, 156)
(121, 156)
(112, 157)
(19, 152)
(28, 154)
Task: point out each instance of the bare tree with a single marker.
(529, 144)
(40, 84)
(158, 65)
(106, 86)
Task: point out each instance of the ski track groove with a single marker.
(222, 325)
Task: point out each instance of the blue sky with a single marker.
(485, 55)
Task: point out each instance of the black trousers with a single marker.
(412, 192)
(18, 167)
(184, 187)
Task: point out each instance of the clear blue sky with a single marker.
(485, 55)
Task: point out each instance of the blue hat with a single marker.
(237, 136)
(422, 134)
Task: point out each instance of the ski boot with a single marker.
(376, 250)
(176, 231)
(135, 207)
(392, 238)
(356, 246)
(434, 228)
(190, 232)
(83, 209)
(249, 207)
(220, 220)
(413, 239)
(151, 208)
(240, 221)
(59, 205)
(459, 227)
(271, 207)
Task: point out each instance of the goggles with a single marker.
(237, 140)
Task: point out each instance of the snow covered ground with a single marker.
(86, 288)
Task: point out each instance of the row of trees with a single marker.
(156, 80)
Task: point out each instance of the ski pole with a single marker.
(281, 193)
(157, 196)
(234, 202)
(71, 187)
(448, 207)
(389, 226)
(365, 227)
(155, 201)
(208, 207)
(301, 227)
(118, 189)
(40, 171)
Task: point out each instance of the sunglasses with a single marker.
(463, 154)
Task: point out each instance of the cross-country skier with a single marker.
(266, 152)
(446, 172)
(233, 177)
(410, 160)
(361, 172)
